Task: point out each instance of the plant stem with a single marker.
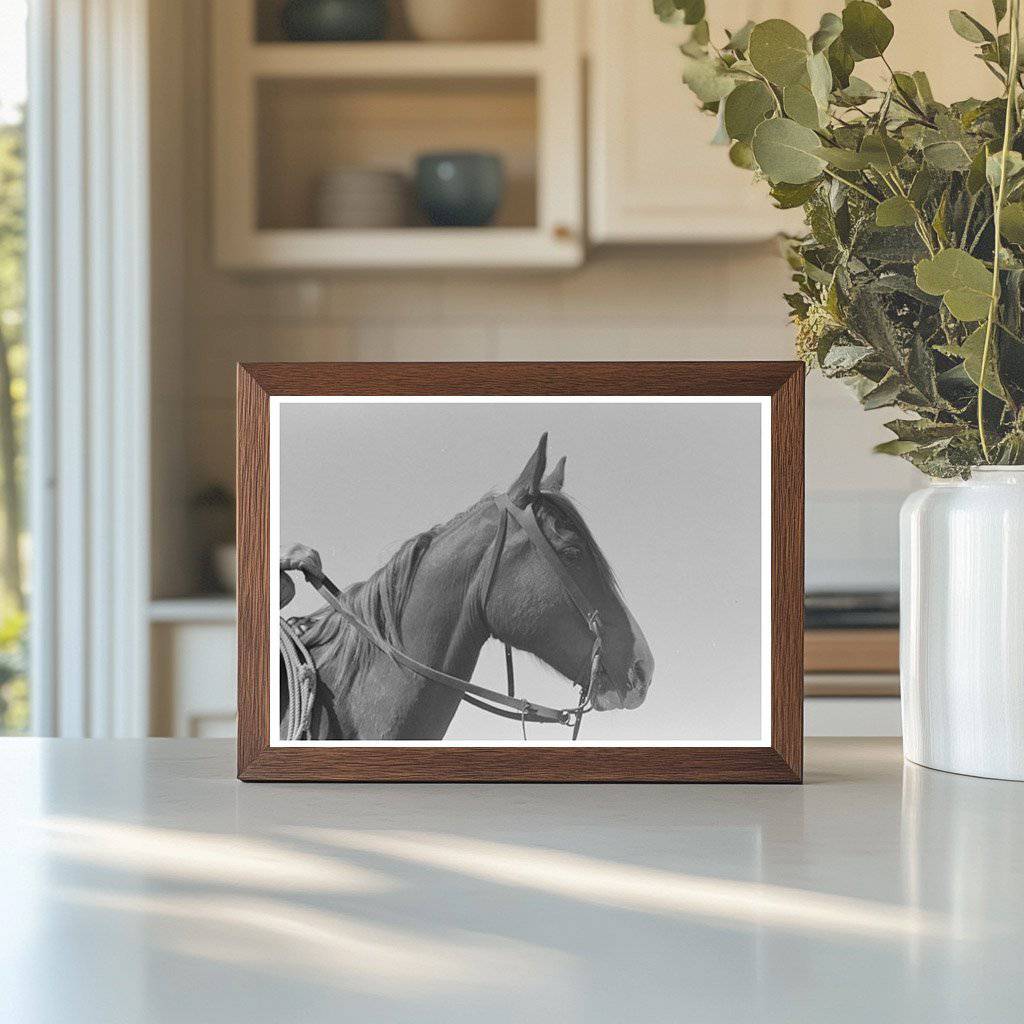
(1011, 108)
(771, 91)
(980, 232)
(853, 185)
(907, 99)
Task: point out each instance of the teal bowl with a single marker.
(460, 189)
(334, 21)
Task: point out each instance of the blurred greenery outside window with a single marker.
(14, 538)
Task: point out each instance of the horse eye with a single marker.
(572, 554)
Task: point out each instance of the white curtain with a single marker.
(88, 387)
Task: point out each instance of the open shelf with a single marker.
(307, 128)
(285, 114)
(520, 22)
(406, 248)
(392, 60)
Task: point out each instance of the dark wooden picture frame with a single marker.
(782, 761)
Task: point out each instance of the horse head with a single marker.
(530, 608)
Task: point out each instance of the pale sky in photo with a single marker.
(672, 493)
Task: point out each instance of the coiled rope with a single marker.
(301, 675)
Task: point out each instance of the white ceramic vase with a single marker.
(962, 624)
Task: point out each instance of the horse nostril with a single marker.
(638, 674)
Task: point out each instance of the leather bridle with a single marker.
(506, 705)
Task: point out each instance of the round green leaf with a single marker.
(972, 351)
(779, 51)
(693, 11)
(787, 152)
(740, 39)
(707, 79)
(882, 152)
(895, 212)
(976, 173)
(896, 447)
(745, 108)
(857, 91)
(840, 62)
(963, 281)
(690, 12)
(801, 106)
(924, 87)
(993, 166)
(1012, 224)
(844, 159)
(741, 155)
(866, 29)
(788, 197)
(829, 30)
(665, 10)
(968, 28)
(947, 156)
(819, 74)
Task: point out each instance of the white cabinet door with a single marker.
(653, 175)
(193, 679)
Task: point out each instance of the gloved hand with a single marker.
(302, 559)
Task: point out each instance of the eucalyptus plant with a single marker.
(902, 289)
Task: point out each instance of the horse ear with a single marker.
(528, 484)
(556, 478)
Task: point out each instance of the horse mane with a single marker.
(378, 601)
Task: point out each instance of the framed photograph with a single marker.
(520, 571)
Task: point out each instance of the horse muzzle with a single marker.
(630, 694)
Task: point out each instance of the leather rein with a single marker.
(506, 705)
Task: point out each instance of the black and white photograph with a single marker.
(521, 570)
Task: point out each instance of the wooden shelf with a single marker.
(393, 60)
(318, 248)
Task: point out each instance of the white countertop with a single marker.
(140, 882)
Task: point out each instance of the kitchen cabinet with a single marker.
(653, 176)
(286, 114)
(193, 680)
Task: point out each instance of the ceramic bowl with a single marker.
(333, 21)
(360, 197)
(459, 189)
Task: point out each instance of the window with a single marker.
(14, 691)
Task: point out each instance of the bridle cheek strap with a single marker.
(494, 559)
(528, 521)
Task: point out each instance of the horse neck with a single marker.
(441, 622)
(441, 627)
